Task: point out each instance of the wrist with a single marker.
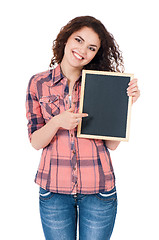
(56, 121)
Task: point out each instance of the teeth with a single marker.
(77, 56)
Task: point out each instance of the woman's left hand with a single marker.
(133, 90)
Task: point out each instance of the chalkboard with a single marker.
(104, 98)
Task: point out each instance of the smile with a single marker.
(77, 55)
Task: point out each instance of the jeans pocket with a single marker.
(108, 196)
(45, 194)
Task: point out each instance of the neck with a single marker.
(71, 73)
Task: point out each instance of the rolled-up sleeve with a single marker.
(33, 109)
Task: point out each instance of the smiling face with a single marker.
(81, 48)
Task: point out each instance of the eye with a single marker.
(92, 49)
(78, 39)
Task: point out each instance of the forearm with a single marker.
(112, 145)
(42, 137)
(66, 120)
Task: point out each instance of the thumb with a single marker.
(72, 109)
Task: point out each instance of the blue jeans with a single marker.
(95, 215)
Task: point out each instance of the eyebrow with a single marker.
(84, 41)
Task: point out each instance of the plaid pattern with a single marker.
(68, 164)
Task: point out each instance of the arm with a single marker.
(42, 137)
(112, 145)
(41, 133)
(67, 120)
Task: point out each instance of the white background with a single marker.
(27, 31)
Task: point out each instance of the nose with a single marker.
(83, 50)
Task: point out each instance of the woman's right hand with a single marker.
(69, 120)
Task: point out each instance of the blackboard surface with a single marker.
(104, 98)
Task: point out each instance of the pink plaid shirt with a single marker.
(68, 164)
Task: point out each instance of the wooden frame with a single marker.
(95, 79)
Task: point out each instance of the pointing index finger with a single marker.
(80, 115)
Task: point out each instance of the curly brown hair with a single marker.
(108, 57)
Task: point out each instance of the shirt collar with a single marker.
(56, 76)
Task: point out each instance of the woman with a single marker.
(73, 172)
